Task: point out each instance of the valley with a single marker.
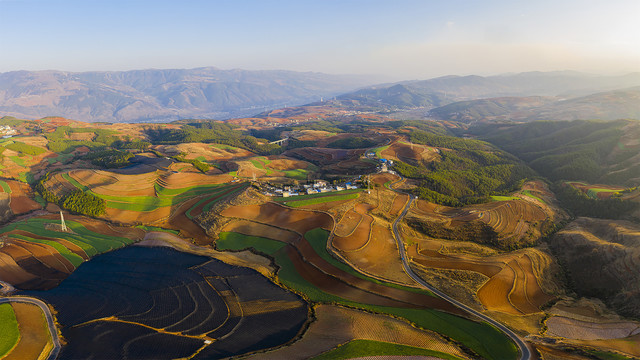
(200, 240)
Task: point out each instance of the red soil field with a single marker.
(398, 204)
(335, 281)
(277, 215)
(109, 183)
(359, 236)
(11, 271)
(409, 153)
(512, 288)
(261, 230)
(20, 201)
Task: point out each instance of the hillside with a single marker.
(162, 95)
(593, 151)
(612, 248)
(610, 105)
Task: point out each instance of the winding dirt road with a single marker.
(525, 353)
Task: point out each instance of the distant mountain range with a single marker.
(535, 86)
(163, 95)
(210, 93)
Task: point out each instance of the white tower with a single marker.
(63, 226)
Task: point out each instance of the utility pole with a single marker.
(63, 226)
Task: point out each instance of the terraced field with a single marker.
(307, 267)
(275, 166)
(164, 199)
(337, 161)
(160, 303)
(512, 286)
(37, 255)
(596, 191)
(515, 221)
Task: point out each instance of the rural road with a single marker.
(524, 350)
(47, 314)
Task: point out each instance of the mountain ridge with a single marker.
(163, 95)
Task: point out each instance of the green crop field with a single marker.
(529, 194)
(5, 187)
(504, 198)
(319, 200)
(225, 147)
(236, 241)
(9, 332)
(155, 228)
(363, 348)
(380, 149)
(593, 192)
(90, 242)
(75, 259)
(482, 338)
(164, 196)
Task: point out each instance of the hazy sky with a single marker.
(403, 39)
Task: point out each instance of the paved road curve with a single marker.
(524, 350)
(47, 314)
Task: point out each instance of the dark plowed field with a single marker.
(139, 300)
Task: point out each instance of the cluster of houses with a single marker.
(7, 131)
(319, 186)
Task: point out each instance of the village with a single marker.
(324, 186)
(318, 186)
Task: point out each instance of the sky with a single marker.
(399, 39)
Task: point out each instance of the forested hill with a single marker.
(163, 95)
(593, 151)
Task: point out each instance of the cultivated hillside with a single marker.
(161, 95)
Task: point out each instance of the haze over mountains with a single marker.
(165, 95)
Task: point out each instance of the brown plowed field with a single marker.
(208, 151)
(409, 299)
(348, 223)
(409, 153)
(34, 340)
(398, 204)
(183, 180)
(337, 325)
(261, 230)
(20, 202)
(11, 271)
(584, 330)
(109, 183)
(69, 245)
(332, 285)
(358, 237)
(30, 263)
(47, 255)
(512, 288)
(494, 294)
(384, 178)
(277, 215)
